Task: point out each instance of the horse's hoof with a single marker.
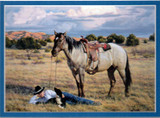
(127, 94)
(108, 96)
(83, 96)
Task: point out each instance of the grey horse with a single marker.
(114, 59)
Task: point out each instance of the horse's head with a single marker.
(58, 43)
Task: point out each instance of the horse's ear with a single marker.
(55, 32)
(65, 34)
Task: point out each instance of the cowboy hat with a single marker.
(38, 90)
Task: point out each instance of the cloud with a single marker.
(32, 16)
(28, 14)
(91, 14)
(85, 11)
(80, 18)
(129, 19)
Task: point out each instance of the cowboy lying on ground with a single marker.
(58, 97)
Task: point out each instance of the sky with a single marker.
(82, 20)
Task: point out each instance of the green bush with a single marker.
(37, 46)
(48, 40)
(14, 42)
(136, 41)
(120, 39)
(152, 37)
(109, 39)
(145, 41)
(8, 42)
(27, 43)
(101, 39)
(91, 37)
(43, 43)
(132, 40)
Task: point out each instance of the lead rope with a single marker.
(51, 72)
(55, 76)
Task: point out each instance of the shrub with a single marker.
(101, 39)
(8, 42)
(120, 39)
(48, 40)
(14, 42)
(91, 37)
(111, 37)
(37, 46)
(43, 43)
(152, 37)
(145, 41)
(132, 40)
(136, 41)
(27, 43)
(114, 36)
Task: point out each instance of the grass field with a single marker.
(22, 75)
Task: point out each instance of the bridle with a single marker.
(62, 43)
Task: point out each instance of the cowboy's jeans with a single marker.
(72, 99)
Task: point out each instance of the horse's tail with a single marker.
(128, 73)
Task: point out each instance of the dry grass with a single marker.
(23, 75)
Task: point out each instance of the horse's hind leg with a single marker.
(81, 80)
(111, 71)
(122, 74)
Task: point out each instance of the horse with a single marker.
(114, 59)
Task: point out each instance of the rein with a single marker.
(55, 76)
(51, 72)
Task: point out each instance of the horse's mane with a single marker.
(72, 43)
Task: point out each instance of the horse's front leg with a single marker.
(81, 79)
(75, 75)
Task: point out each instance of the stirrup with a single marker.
(92, 72)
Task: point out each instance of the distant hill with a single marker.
(38, 35)
(23, 34)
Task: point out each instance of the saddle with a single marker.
(92, 50)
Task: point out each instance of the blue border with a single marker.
(1, 58)
(79, 114)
